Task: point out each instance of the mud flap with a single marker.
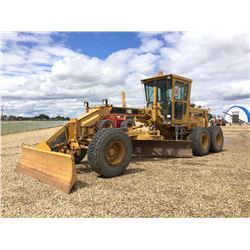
(165, 149)
(53, 168)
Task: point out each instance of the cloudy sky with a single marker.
(54, 73)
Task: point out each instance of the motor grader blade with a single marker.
(167, 148)
(53, 168)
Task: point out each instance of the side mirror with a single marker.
(86, 104)
(105, 102)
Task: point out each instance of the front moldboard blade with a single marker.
(168, 148)
(55, 169)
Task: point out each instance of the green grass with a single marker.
(10, 127)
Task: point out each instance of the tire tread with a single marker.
(195, 135)
(95, 145)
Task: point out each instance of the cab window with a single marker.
(186, 92)
(162, 91)
(179, 90)
(149, 89)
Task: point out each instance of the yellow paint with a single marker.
(43, 145)
(54, 168)
(58, 169)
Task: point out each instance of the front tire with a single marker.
(127, 124)
(216, 138)
(200, 141)
(109, 152)
(106, 124)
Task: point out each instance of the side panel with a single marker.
(124, 111)
(198, 117)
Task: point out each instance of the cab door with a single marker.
(180, 101)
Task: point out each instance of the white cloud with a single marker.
(218, 63)
(59, 51)
(172, 38)
(34, 37)
(151, 45)
(47, 76)
(10, 59)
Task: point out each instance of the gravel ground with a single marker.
(217, 185)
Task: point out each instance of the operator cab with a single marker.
(173, 94)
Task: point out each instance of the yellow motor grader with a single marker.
(168, 126)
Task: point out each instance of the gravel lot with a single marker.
(217, 185)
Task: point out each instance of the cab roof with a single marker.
(164, 77)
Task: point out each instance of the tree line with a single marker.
(40, 117)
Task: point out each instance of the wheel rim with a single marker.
(115, 153)
(218, 139)
(204, 142)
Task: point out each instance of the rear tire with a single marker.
(109, 152)
(127, 124)
(200, 141)
(216, 138)
(106, 124)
